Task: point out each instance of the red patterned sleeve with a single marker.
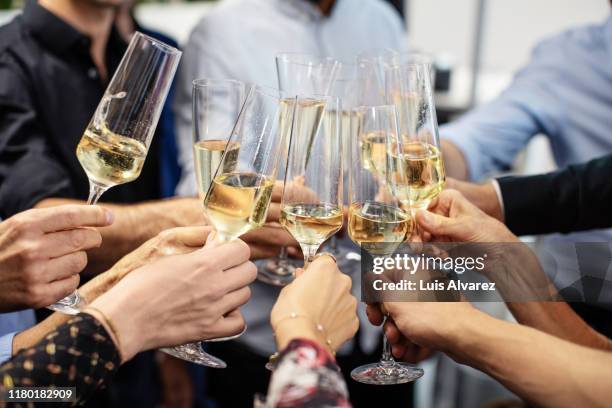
(306, 375)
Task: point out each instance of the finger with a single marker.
(398, 350)
(436, 224)
(59, 289)
(277, 191)
(66, 266)
(274, 212)
(56, 244)
(263, 252)
(393, 334)
(233, 300)
(192, 236)
(374, 315)
(270, 235)
(295, 252)
(230, 325)
(224, 255)
(73, 216)
(240, 276)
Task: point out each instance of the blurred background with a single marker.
(482, 42)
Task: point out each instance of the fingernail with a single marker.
(110, 217)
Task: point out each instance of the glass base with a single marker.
(194, 353)
(386, 373)
(70, 305)
(277, 272)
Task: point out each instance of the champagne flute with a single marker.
(216, 106)
(238, 198)
(408, 87)
(115, 143)
(306, 75)
(311, 204)
(371, 67)
(379, 225)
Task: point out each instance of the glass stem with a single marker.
(283, 255)
(387, 356)
(334, 244)
(95, 192)
(309, 253)
(223, 238)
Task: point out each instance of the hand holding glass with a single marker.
(114, 146)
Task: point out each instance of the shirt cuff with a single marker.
(454, 133)
(500, 197)
(6, 347)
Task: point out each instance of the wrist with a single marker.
(463, 335)
(298, 328)
(124, 320)
(494, 200)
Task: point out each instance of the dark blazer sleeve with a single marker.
(575, 198)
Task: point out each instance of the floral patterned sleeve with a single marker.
(80, 354)
(306, 375)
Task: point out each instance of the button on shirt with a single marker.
(49, 89)
(565, 92)
(239, 39)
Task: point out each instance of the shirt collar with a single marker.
(50, 30)
(300, 9)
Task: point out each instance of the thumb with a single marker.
(211, 240)
(435, 224)
(193, 236)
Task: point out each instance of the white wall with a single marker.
(176, 20)
(512, 27)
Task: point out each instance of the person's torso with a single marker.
(65, 89)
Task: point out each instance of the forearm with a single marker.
(90, 291)
(134, 224)
(454, 161)
(534, 300)
(542, 369)
(81, 343)
(558, 319)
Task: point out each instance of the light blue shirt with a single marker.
(239, 39)
(11, 324)
(565, 93)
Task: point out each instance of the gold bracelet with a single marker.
(318, 327)
(113, 331)
(326, 254)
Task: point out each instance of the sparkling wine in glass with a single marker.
(417, 150)
(306, 75)
(238, 198)
(311, 204)
(216, 107)
(378, 224)
(114, 145)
